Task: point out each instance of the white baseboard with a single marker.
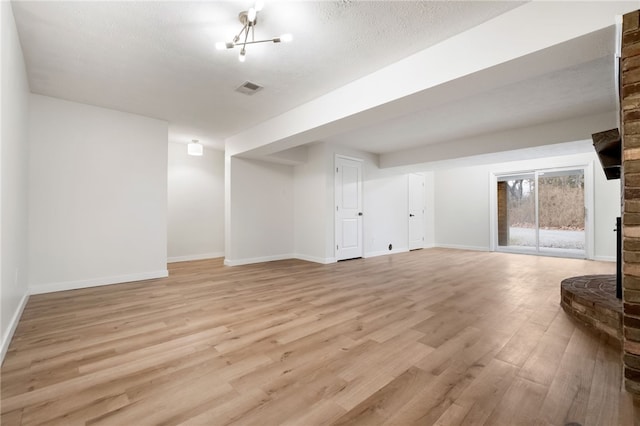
(195, 257)
(429, 245)
(324, 261)
(12, 326)
(249, 261)
(605, 258)
(95, 282)
(461, 247)
(385, 252)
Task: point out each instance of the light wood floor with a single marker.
(435, 336)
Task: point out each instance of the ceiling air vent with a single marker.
(249, 88)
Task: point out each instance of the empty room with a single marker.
(320, 213)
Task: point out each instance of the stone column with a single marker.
(503, 219)
(630, 110)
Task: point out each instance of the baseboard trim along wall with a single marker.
(239, 262)
(461, 247)
(96, 282)
(324, 261)
(605, 258)
(195, 257)
(12, 326)
(249, 261)
(384, 252)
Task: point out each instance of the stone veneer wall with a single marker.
(591, 299)
(503, 218)
(630, 111)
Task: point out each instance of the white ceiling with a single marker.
(158, 59)
(580, 90)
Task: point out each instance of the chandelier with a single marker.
(249, 20)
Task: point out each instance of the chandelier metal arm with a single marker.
(237, 37)
(246, 36)
(271, 40)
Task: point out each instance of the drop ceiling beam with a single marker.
(535, 38)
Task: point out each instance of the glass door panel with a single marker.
(561, 212)
(517, 225)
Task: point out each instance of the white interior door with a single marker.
(348, 193)
(416, 211)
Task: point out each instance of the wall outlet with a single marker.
(390, 246)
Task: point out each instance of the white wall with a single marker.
(98, 196)
(195, 204)
(262, 227)
(462, 206)
(261, 212)
(386, 212)
(430, 210)
(311, 189)
(457, 206)
(14, 155)
(607, 208)
(385, 204)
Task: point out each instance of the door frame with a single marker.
(589, 187)
(335, 202)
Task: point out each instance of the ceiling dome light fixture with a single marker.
(249, 20)
(195, 148)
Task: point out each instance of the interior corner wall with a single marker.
(14, 157)
(98, 196)
(261, 212)
(607, 209)
(195, 204)
(461, 199)
(386, 209)
(462, 210)
(310, 218)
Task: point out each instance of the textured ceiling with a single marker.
(158, 58)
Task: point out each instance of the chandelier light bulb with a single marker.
(221, 45)
(259, 5)
(252, 14)
(286, 38)
(242, 57)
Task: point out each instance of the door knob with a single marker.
(411, 215)
(359, 213)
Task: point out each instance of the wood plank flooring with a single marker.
(430, 337)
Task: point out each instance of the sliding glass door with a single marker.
(542, 212)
